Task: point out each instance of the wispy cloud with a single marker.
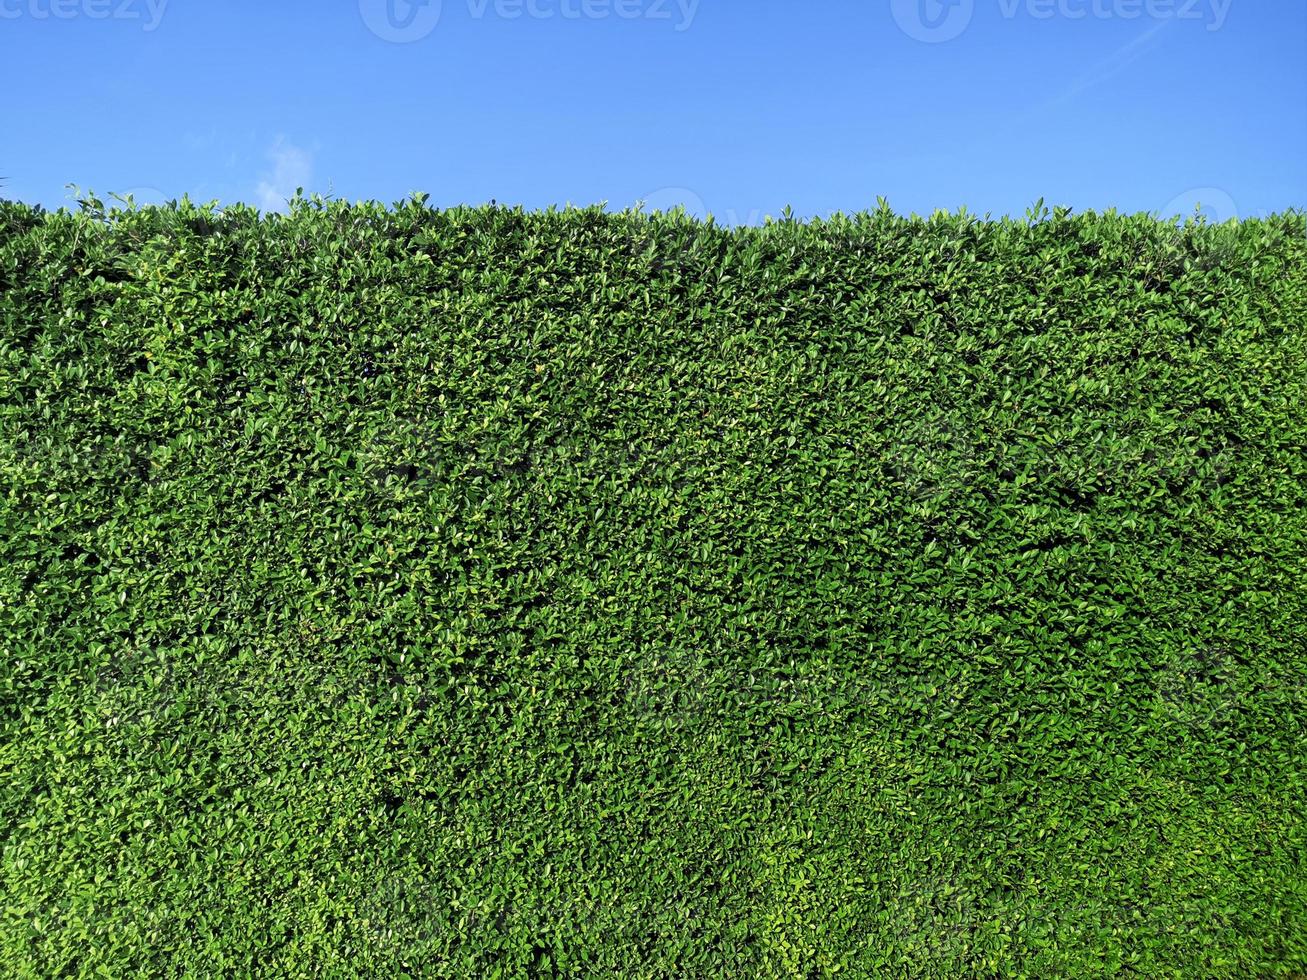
(292, 167)
(1117, 61)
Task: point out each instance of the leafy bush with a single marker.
(490, 593)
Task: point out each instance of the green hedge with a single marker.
(490, 593)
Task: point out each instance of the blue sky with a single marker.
(737, 107)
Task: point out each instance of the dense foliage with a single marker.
(490, 593)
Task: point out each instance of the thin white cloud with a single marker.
(292, 167)
(1117, 61)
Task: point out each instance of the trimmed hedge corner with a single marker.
(491, 593)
